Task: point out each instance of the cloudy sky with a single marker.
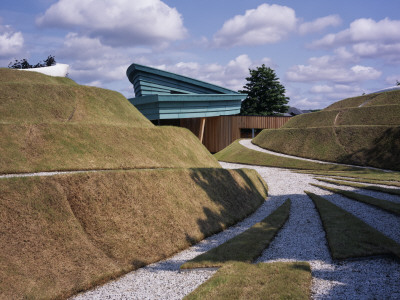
(322, 51)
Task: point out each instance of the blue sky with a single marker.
(322, 51)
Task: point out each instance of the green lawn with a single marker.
(348, 236)
(247, 246)
(261, 281)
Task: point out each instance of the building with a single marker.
(206, 109)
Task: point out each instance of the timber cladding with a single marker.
(221, 131)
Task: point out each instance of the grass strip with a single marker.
(246, 246)
(237, 153)
(365, 175)
(389, 206)
(239, 280)
(362, 186)
(348, 236)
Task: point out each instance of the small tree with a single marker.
(265, 94)
(397, 82)
(23, 63)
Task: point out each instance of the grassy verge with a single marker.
(237, 153)
(348, 236)
(246, 246)
(362, 186)
(389, 206)
(63, 234)
(261, 281)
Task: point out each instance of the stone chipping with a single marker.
(302, 238)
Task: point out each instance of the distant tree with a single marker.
(397, 82)
(24, 64)
(265, 94)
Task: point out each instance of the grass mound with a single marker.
(261, 281)
(51, 123)
(348, 236)
(48, 147)
(63, 234)
(246, 246)
(362, 131)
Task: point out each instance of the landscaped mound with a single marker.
(50, 123)
(362, 131)
(65, 233)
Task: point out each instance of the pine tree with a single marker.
(265, 94)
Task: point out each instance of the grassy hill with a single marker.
(159, 190)
(362, 130)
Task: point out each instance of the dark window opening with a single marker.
(247, 133)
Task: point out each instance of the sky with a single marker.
(321, 51)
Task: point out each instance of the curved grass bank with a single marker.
(375, 146)
(66, 233)
(48, 147)
(237, 153)
(361, 131)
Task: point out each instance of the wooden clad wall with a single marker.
(223, 130)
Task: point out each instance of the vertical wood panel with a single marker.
(219, 132)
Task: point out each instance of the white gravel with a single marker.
(301, 239)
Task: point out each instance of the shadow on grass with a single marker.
(237, 193)
(384, 154)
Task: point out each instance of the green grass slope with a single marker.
(50, 123)
(63, 234)
(362, 130)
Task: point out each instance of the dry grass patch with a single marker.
(348, 236)
(65, 233)
(389, 206)
(261, 281)
(246, 246)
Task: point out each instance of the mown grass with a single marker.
(237, 153)
(33, 98)
(389, 206)
(361, 175)
(247, 246)
(375, 146)
(48, 147)
(386, 98)
(344, 132)
(261, 281)
(63, 234)
(362, 186)
(348, 236)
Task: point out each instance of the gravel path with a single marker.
(301, 239)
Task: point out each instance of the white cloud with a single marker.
(363, 30)
(392, 80)
(331, 68)
(266, 24)
(11, 42)
(305, 103)
(232, 75)
(118, 22)
(319, 24)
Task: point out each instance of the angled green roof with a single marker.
(165, 95)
